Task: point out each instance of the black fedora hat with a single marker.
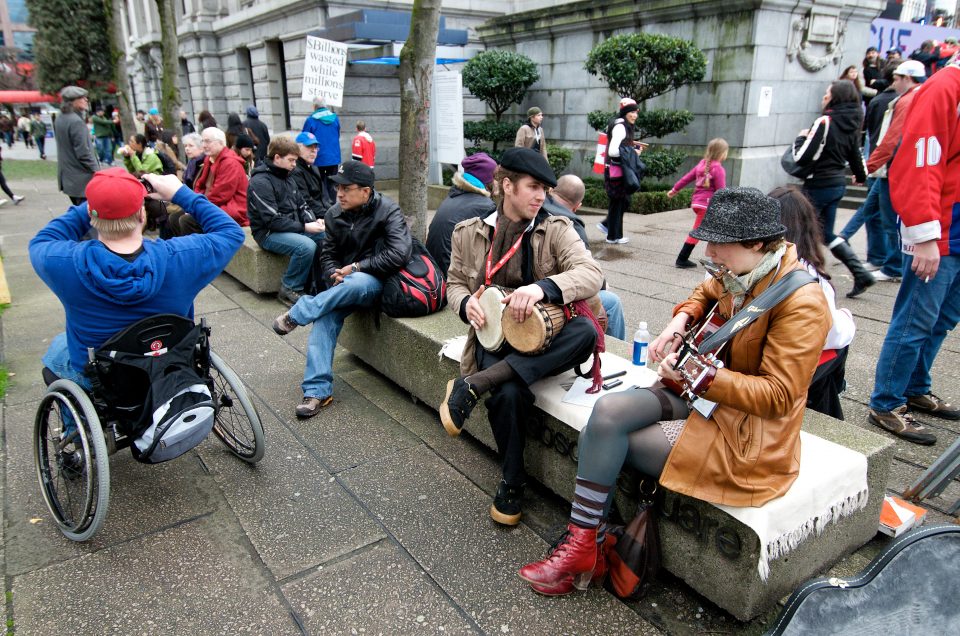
(740, 214)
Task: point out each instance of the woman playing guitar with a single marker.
(740, 444)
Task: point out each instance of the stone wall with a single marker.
(746, 44)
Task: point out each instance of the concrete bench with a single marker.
(710, 550)
(257, 268)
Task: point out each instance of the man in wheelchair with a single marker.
(110, 283)
(155, 381)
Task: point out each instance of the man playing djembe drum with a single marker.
(520, 247)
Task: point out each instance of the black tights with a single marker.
(622, 428)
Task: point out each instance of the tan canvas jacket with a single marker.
(559, 255)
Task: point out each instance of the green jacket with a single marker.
(38, 128)
(149, 162)
(102, 127)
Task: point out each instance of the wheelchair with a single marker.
(76, 430)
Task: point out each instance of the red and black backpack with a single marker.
(419, 289)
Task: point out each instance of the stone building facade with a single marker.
(234, 53)
(239, 52)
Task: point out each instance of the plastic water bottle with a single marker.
(641, 338)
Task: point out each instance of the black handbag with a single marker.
(789, 164)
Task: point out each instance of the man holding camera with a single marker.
(110, 283)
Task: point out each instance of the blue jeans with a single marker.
(57, 359)
(825, 202)
(869, 213)
(105, 150)
(893, 264)
(327, 311)
(922, 315)
(300, 248)
(614, 308)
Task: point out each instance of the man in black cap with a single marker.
(367, 240)
(540, 257)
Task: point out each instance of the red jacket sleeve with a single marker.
(919, 170)
(882, 154)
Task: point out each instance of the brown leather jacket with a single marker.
(748, 452)
(559, 255)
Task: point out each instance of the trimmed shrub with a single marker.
(559, 158)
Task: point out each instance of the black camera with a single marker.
(147, 185)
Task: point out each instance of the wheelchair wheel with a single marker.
(71, 458)
(237, 422)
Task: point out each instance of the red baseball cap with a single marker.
(114, 193)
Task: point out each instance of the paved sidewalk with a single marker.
(354, 523)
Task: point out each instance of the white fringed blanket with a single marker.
(832, 484)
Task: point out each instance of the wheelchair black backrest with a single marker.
(120, 387)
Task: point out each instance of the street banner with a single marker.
(324, 68)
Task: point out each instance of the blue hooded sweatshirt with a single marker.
(325, 124)
(102, 293)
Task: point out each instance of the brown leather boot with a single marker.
(573, 561)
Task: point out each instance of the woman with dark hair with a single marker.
(206, 120)
(827, 147)
(799, 217)
(745, 451)
(619, 141)
(235, 128)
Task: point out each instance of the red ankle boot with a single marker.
(599, 572)
(572, 561)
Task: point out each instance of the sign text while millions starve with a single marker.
(324, 68)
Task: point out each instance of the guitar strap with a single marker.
(769, 299)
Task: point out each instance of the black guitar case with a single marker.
(912, 587)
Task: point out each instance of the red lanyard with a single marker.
(502, 261)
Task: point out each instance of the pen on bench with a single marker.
(614, 375)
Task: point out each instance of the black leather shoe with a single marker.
(506, 504)
(288, 297)
(457, 405)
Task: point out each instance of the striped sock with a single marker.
(588, 503)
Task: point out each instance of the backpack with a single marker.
(419, 289)
(148, 379)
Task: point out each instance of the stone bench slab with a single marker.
(257, 268)
(711, 551)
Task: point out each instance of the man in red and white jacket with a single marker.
(925, 191)
(363, 148)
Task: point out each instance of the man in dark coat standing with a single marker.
(260, 130)
(76, 161)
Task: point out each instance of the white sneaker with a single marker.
(602, 228)
(17, 199)
(3, 202)
(619, 241)
(881, 277)
(870, 267)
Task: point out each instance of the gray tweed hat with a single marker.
(740, 214)
(70, 93)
